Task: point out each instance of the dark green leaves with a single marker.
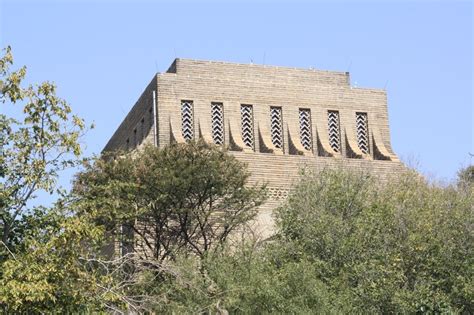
(184, 198)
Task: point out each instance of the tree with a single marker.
(34, 148)
(53, 272)
(347, 242)
(45, 252)
(182, 198)
(383, 247)
(466, 177)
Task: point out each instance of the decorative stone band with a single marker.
(277, 193)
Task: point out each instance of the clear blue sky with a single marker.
(102, 54)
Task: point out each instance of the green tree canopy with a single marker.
(182, 198)
(44, 251)
(466, 177)
(399, 246)
(34, 147)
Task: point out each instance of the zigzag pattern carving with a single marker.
(187, 120)
(305, 129)
(334, 131)
(217, 123)
(246, 112)
(362, 132)
(276, 127)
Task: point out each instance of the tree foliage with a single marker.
(34, 147)
(243, 279)
(466, 177)
(403, 246)
(346, 243)
(43, 251)
(53, 272)
(182, 198)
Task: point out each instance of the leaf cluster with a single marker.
(400, 246)
(182, 198)
(34, 147)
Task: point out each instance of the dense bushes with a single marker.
(347, 243)
(401, 246)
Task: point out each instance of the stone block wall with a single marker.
(202, 83)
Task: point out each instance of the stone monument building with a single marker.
(276, 119)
